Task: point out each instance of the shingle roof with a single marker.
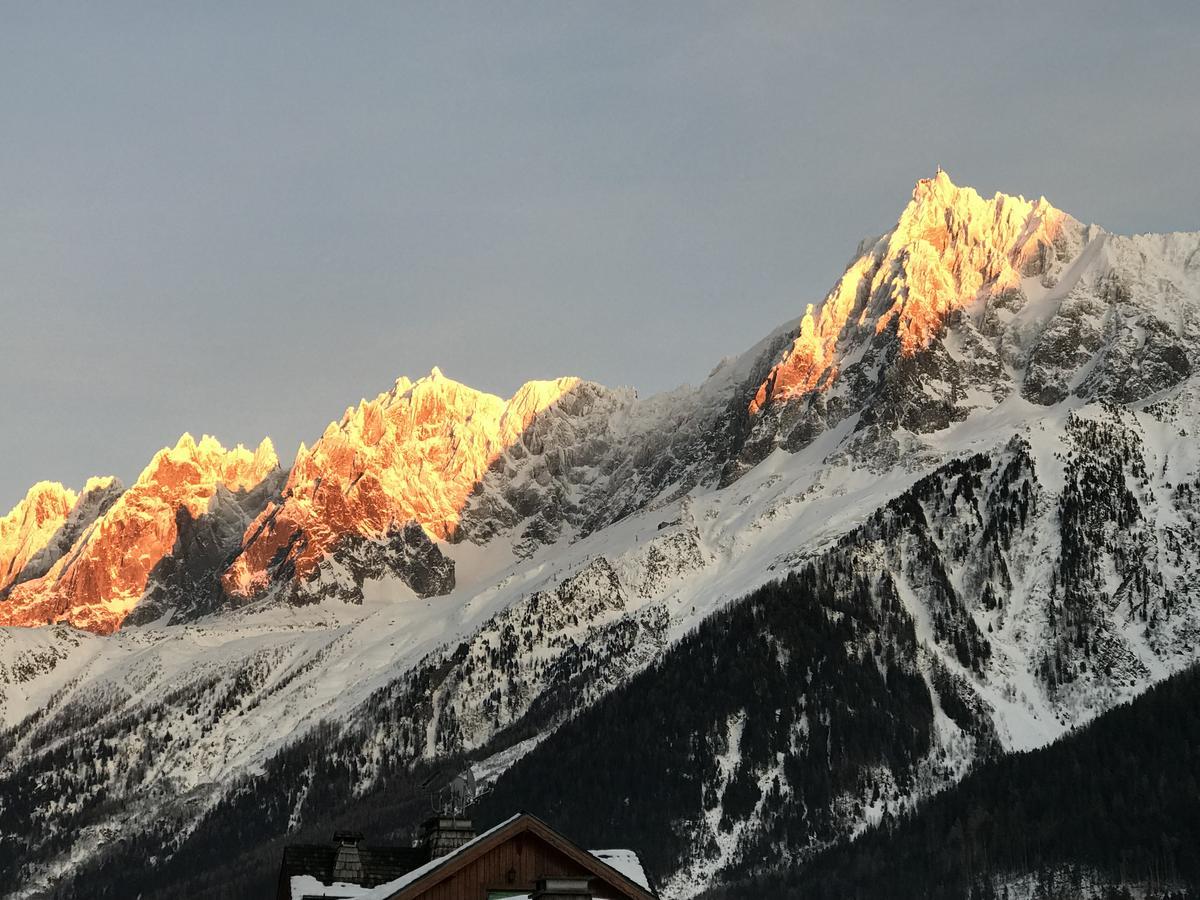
(380, 864)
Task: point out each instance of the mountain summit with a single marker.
(967, 302)
(950, 250)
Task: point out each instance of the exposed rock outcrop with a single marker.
(413, 454)
(30, 526)
(104, 574)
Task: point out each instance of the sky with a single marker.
(239, 218)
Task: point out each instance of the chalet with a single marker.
(522, 858)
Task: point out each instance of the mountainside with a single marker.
(970, 301)
(1108, 811)
(950, 512)
(951, 251)
(948, 626)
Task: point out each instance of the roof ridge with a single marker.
(405, 886)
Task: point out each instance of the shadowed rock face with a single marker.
(406, 554)
(186, 583)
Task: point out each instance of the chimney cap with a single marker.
(347, 837)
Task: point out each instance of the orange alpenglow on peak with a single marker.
(30, 526)
(104, 575)
(949, 248)
(196, 468)
(413, 454)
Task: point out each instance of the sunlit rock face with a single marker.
(186, 584)
(38, 533)
(413, 454)
(967, 302)
(31, 525)
(103, 575)
(950, 249)
(97, 496)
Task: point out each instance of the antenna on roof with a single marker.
(450, 797)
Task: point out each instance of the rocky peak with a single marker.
(414, 454)
(102, 576)
(190, 470)
(530, 400)
(30, 525)
(950, 249)
(98, 494)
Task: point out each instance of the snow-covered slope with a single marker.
(994, 409)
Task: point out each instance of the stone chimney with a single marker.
(347, 865)
(562, 887)
(445, 834)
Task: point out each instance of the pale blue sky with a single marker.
(238, 218)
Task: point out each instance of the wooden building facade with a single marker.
(520, 858)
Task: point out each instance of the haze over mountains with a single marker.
(956, 499)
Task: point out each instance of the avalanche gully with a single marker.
(959, 495)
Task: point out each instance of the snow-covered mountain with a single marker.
(110, 543)
(975, 461)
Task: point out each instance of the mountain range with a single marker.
(948, 514)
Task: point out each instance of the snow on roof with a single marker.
(308, 886)
(386, 890)
(626, 862)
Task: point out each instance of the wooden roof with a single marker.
(447, 866)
